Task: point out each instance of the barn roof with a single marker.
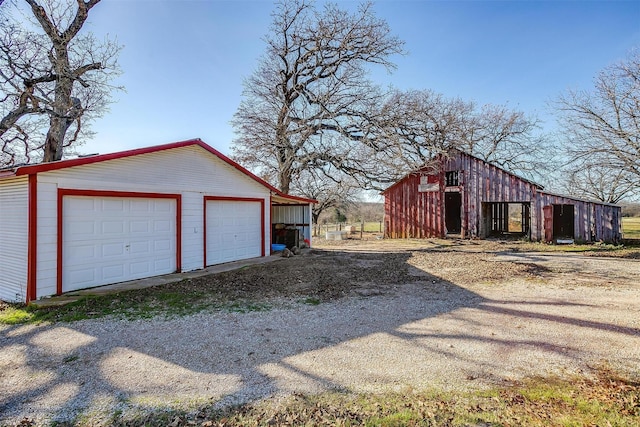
(21, 170)
(579, 199)
(464, 153)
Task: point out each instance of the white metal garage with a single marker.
(115, 239)
(109, 218)
(234, 229)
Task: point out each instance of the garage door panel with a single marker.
(138, 268)
(112, 249)
(83, 252)
(234, 230)
(160, 246)
(113, 272)
(81, 229)
(163, 263)
(140, 205)
(82, 276)
(141, 248)
(161, 207)
(113, 205)
(139, 226)
(110, 240)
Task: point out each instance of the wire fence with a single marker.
(351, 229)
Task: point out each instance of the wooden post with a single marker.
(361, 229)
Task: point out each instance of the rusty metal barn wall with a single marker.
(481, 183)
(410, 213)
(592, 221)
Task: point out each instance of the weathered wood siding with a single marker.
(482, 182)
(410, 213)
(413, 214)
(593, 221)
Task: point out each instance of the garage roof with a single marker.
(61, 164)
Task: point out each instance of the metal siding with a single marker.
(47, 250)
(289, 214)
(293, 214)
(412, 214)
(593, 221)
(409, 213)
(192, 231)
(190, 171)
(182, 169)
(14, 225)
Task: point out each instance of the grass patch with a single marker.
(607, 399)
(15, 314)
(631, 227)
(131, 305)
(626, 250)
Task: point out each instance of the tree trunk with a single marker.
(64, 111)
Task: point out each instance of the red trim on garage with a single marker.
(233, 199)
(126, 194)
(32, 239)
(61, 164)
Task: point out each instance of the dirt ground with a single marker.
(334, 269)
(365, 316)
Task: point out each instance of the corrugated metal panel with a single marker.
(47, 237)
(298, 216)
(413, 214)
(14, 214)
(592, 221)
(410, 213)
(290, 214)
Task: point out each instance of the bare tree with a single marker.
(57, 79)
(602, 130)
(412, 127)
(594, 180)
(331, 189)
(310, 89)
(509, 139)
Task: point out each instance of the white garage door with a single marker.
(234, 230)
(112, 239)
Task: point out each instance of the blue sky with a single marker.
(184, 61)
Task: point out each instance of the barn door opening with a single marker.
(452, 212)
(507, 218)
(563, 222)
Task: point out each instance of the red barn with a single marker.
(463, 195)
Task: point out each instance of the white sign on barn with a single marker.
(426, 186)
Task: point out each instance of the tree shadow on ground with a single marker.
(380, 326)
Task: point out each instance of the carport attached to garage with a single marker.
(115, 217)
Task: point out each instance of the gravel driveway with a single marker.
(460, 317)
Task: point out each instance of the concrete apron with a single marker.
(150, 281)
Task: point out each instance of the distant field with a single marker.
(631, 228)
(369, 227)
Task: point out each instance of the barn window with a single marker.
(451, 178)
